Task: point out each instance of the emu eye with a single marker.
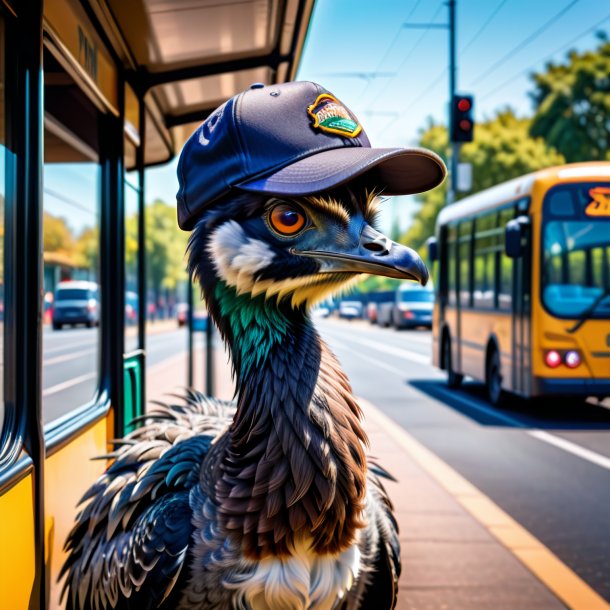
(286, 219)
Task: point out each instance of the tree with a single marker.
(502, 149)
(165, 247)
(57, 236)
(572, 102)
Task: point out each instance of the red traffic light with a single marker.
(461, 119)
(464, 104)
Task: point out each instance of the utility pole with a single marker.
(455, 146)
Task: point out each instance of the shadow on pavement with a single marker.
(517, 412)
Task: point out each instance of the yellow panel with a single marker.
(132, 114)
(17, 536)
(76, 33)
(68, 474)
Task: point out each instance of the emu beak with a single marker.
(376, 254)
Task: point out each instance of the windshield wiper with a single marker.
(589, 311)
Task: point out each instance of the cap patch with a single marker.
(330, 115)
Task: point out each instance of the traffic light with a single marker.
(462, 122)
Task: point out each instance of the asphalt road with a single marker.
(548, 467)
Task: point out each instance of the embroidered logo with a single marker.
(330, 115)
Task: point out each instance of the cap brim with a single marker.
(394, 171)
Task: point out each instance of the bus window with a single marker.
(485, 247)
(505, 266)
(575, 248)
(451, 264)
(71, 243)
(465, 258)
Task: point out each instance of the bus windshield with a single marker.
(576, 250)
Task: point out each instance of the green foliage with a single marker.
(165, 247)
(502, 149)
(572, 102)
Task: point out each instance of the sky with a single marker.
(395, 78)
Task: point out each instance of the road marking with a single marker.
(54, 389)
(393, 351)
(46, 351)
(540, 560)
(66, 357)
(471, 403)
(570, 447)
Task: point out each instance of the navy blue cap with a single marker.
(291, 139)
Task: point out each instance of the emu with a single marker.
(268, 502)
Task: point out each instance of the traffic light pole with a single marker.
(455, 147)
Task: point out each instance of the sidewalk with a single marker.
(459, 550)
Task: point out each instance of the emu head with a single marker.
(296, 251)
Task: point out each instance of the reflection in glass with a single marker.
(71, 245)
(132, 298)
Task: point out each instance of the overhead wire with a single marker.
(404, 61)
(443, 73)
(483, 27)
(391, 45)
(545, 58)
(524, 43)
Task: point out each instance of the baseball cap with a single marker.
(294, 138)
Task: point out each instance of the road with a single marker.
(548, 468)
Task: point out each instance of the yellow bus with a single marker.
(523, 297)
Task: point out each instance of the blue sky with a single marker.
(394, 78)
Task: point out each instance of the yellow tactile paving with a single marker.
(545, 565)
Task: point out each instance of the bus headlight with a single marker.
(552, 359)
(572, 359)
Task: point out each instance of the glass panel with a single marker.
(451, 264)
(2, 196)
(569, 287)
(485, 246)
(464, 258)
(505, 269)
(166, 298)
(71, 243)
(576, 239)
(132, 297)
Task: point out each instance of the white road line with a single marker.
(390, 349)
(54, 389)
(541, 435)
(67, 357)
(570, 447)
(46, 351)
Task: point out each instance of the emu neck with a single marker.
(295, 468)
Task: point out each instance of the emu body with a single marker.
(267, 503)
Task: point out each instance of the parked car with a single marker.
(76, 303)
(412, 306)
(348, 310)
